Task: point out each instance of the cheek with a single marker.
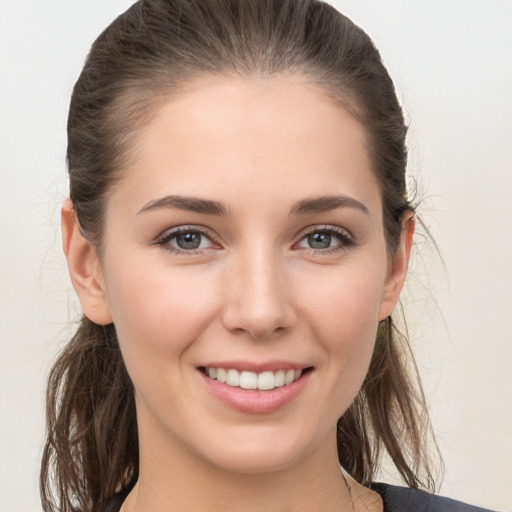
(344, 315)
(158, 313)
(346, 301)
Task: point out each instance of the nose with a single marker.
(258, 296)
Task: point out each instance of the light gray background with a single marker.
(452, 64)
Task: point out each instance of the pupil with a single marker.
(319, 240)
(188, 240)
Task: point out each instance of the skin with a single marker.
(255, 291)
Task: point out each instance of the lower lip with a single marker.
(254, 401)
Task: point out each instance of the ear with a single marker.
(397, 267)
(84, 268)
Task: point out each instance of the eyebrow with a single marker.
(327, 203)
(191, 204)
(209, 207)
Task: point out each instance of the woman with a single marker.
(238, 233)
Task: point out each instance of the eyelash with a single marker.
(344, 237)
(165, 239)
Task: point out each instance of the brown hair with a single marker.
(145, 56)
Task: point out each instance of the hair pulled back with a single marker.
(147, 55)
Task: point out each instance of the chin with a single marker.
(251, 462)
(264, 453)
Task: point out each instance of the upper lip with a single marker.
(257, 367)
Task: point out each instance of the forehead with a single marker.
(274, 136)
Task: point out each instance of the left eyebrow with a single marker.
(191, 204)
(327, 203)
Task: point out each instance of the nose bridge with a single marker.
(257, 298)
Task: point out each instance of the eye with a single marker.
(326, 239)
(185, 240)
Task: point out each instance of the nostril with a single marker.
(260, 310)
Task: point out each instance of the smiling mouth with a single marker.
(263, 381)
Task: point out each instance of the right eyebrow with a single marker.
(327, 203)
(191, 204)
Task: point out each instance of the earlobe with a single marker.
(398, 267)
(84, 268)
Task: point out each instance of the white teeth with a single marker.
(279, 378)
(221, 374)
(289, 376)
(263, 381)
(248, 380)
(233, 378)
(266, 381)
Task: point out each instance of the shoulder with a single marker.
(400, 499)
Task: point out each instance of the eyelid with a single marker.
(326, 227)
(166, 236)
(345, 236)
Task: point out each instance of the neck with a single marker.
(176, 479)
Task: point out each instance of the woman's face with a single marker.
(246, 241)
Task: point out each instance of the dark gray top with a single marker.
(400, 499)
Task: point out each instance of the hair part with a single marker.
(145, 57)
